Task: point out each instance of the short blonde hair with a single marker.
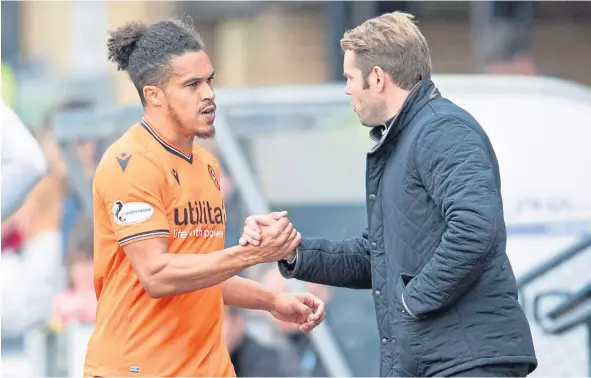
(393, 42)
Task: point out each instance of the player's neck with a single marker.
(171, 135)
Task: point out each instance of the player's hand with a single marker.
(277, 241)
(303, 309)
(252, 229)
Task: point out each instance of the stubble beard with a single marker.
(201, 134)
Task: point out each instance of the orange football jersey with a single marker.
(145, 187)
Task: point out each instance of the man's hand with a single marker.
(259, 228)
(277, 239)
(252, 230)
(303, 309)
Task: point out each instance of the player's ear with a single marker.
(153, 95)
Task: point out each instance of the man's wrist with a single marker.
(246, 254)
(271, 301)
(245, 293)
(291, 259)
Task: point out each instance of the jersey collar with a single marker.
(173, 150)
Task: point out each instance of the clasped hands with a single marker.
(277, 239)
(273, 234)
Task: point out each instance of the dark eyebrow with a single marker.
(193, 80)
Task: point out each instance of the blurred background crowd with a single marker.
(56, 77)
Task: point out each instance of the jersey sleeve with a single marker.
(132, 197)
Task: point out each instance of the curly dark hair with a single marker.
(145, 51)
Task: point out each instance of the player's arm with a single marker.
(132, 195)
(249, 294)
(304, 309)
(23, 162)
(163, 274)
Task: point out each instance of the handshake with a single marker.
(270, 238)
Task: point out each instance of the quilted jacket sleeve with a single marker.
(344, 263)
(459, 171)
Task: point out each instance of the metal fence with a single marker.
(557, 299)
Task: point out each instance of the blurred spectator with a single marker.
(232, 203)
(506, 51)
(250, 359)
(78, 303)
(302, 359)
(31, 269)
(23, 162)
(86, 151)
(31, 256)
(227, 185)
(234, 214)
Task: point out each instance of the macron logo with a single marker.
(175, 174)
(123, 159)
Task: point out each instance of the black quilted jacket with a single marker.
(434, 250)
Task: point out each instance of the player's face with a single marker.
(190, 95)
(365, 99)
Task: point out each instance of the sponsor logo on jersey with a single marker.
(199, 212)
(131, 212)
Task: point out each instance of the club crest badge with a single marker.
(214, 177)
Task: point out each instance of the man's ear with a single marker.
(379, 77)
(153, 95)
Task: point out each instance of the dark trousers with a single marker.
(496, 370)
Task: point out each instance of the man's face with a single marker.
(82, 271)
(365, 97)
(190, 95)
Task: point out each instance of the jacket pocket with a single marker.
(407, 353)
(432, 343)
(403, 280)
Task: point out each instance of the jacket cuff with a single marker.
(289, 269)
(402, 289)
(408, 311)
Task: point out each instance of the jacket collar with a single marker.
(420, 95)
